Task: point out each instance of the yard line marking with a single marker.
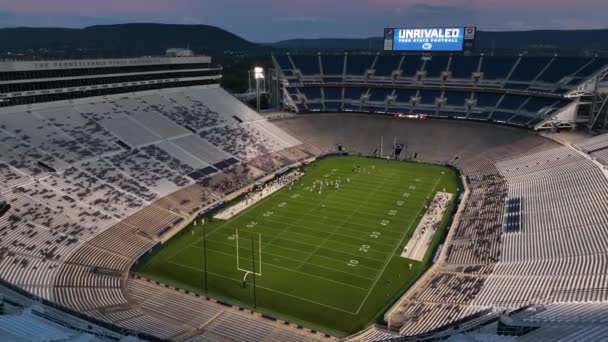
(320, 231)
(312, 209)
(291, 270)
(299, 251)
(308, 244)
(398, 245)
(265, 288)
(284, 257)
(352, 223)
(343, 222)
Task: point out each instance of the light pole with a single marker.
(258, 73)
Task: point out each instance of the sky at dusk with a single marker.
(273, 20)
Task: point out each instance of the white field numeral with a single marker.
(353, 263)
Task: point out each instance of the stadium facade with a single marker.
(102, 161)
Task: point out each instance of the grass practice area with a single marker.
(330, 256)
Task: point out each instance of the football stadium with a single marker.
(423, 192)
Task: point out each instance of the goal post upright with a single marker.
(238, 264)
(253, 268)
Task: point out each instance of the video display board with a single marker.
(428, 39)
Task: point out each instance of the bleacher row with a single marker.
(537, 73)
(517, 90)
(558, 257)
(559, 254)
(480, 105)
(94, 184)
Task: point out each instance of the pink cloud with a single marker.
(94, 7)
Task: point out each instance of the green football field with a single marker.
(329, 260)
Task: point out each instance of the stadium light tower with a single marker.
(258, 73)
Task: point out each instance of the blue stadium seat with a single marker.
(358, 64)
(497, 67)
(335, 79)
(404, 95)
(512, 102)
(562, 67)
(457, 98)
(348, 106)
(353, 93)
(332, 93)
(332, 64)
(308, 64)
(436, 66)
(428, 96)
(519, 86)
(487, 99)
(464, 66)
(312, 93)
(332, 106)
(537, 103)
(386, 64)
(501, 116)
(592, 67)
(589, 70)
(528, 68)
(377, 94)
(411, 65)
(283, 61)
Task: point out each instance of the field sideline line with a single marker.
(288, 269)
(265, 288)
(397, 247)
(295, 250)
(284, 257)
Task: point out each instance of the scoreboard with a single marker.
(429, 39)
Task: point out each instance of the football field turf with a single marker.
(330, 259)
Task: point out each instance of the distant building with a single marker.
(176, 52)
